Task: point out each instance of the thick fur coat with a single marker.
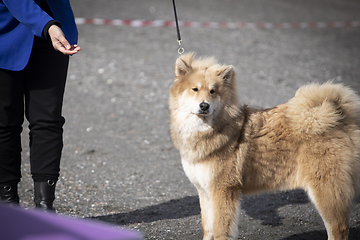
(311, 142)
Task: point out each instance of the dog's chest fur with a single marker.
(199, 173)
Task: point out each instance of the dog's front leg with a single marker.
(207, 216)
(226, 207)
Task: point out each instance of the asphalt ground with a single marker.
(119, 165)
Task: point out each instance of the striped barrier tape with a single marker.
(268, 25)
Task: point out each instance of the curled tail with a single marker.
(317, 109)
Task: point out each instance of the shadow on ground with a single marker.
(262, 207)
(265, 207)
(321, 235)
(174, 209)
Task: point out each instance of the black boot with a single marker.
(9, 193)
(44, 195)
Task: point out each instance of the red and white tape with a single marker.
(161, 23)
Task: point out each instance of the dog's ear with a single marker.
(183, 65)
(227, 73)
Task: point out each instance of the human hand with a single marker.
(60, 43)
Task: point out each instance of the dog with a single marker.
(311, 142)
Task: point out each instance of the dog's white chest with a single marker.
(200, 174)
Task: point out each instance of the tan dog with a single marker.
(312, 142)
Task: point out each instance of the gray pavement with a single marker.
(119, 164)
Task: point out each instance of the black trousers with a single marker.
(38, 92)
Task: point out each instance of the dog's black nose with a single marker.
(204, 106)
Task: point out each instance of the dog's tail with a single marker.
(317, 109)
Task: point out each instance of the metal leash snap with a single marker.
(181, 50)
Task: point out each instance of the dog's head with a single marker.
(202, 87)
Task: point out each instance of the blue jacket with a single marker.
(20, 20)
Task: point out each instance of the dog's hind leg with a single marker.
(226, 207)
(333, 206)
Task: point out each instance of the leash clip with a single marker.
(181, 50)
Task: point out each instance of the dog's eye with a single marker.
(195, 89)
(212, 91)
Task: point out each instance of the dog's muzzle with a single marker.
(204, 108)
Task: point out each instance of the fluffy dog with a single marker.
(311, 142)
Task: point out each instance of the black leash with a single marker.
(181, 50)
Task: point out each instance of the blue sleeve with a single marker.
(29, 13)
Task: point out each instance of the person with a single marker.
(36, 38)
